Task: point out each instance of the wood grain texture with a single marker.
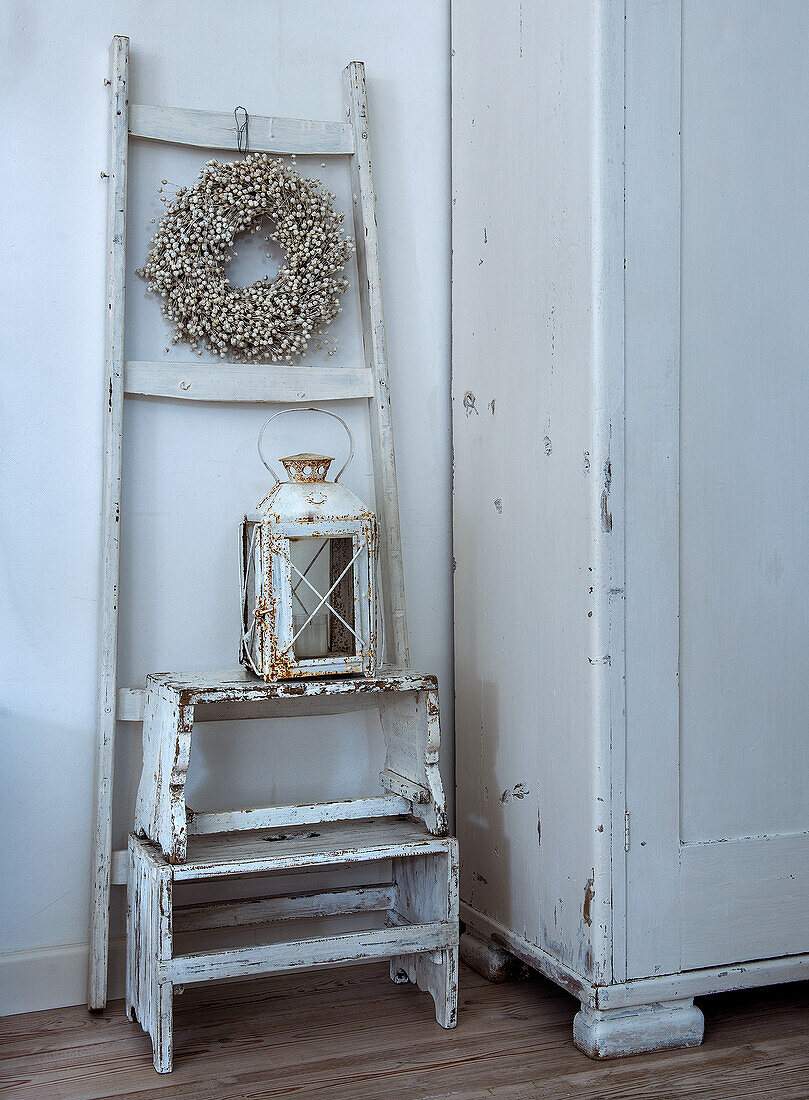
(230, 914)
(538, 473)
(110, 519)
(419, 907)
(256, 383)
(275, 817)
(352, 1033)
(366, 237)
(409, 716)
(264, 851)
(348, 947)
(237, 685)
(217, 130)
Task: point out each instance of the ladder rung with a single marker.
(217, 130)
(234, 382)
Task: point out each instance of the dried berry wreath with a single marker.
(272, 320)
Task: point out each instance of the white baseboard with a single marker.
(53, 977)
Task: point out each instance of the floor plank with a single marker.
(350, 1033)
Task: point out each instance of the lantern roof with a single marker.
(314, 502)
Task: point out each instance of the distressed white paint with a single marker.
(716, 708)
(409, 719)
(615, 1032)
(301, 848)
(426, 888)
(331, 903)
(284, 59)
(215, 130)
(277, 816)
(421, 905)
(537, 416)
(254, 384)
(269, 579)
(166, 754)
(682, 234)
(118, 162)
(744, 391)
(641, 991)
(366, 239)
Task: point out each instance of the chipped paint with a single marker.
(606, 515)
(519, 791)
(589, 897)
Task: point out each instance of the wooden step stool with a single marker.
(419, 902)
(405, 824)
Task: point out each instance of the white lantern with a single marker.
(308, 569)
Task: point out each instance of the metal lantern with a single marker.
(308, 569)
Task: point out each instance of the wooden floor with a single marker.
(351, 1033)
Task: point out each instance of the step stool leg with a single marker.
(160, 810)
(427, 890)
(162, 993)
(163, 1028)
(436, 973)
(131, 909)
(149, 948)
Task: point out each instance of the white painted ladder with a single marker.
(228, 383)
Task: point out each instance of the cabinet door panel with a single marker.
(717, 484)
(744, 899)
(744, 420)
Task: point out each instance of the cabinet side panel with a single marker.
(533, 475)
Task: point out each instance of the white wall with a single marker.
(191, 471)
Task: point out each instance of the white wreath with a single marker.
(272, 320)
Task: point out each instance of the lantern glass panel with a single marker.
(323, 567)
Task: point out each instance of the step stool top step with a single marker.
(221, 855)
(239, 685)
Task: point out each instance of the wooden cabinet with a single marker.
(631, 410)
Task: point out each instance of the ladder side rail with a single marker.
(110, 519)
(373, 334)
(217, 130)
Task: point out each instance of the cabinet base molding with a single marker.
(618, 1032)
(492, 962)
(639, 992)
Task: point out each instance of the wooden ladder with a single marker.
(219, 383)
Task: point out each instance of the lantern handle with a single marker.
(306, 408)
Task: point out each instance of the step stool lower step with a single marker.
(419, 907)
(262, 851)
